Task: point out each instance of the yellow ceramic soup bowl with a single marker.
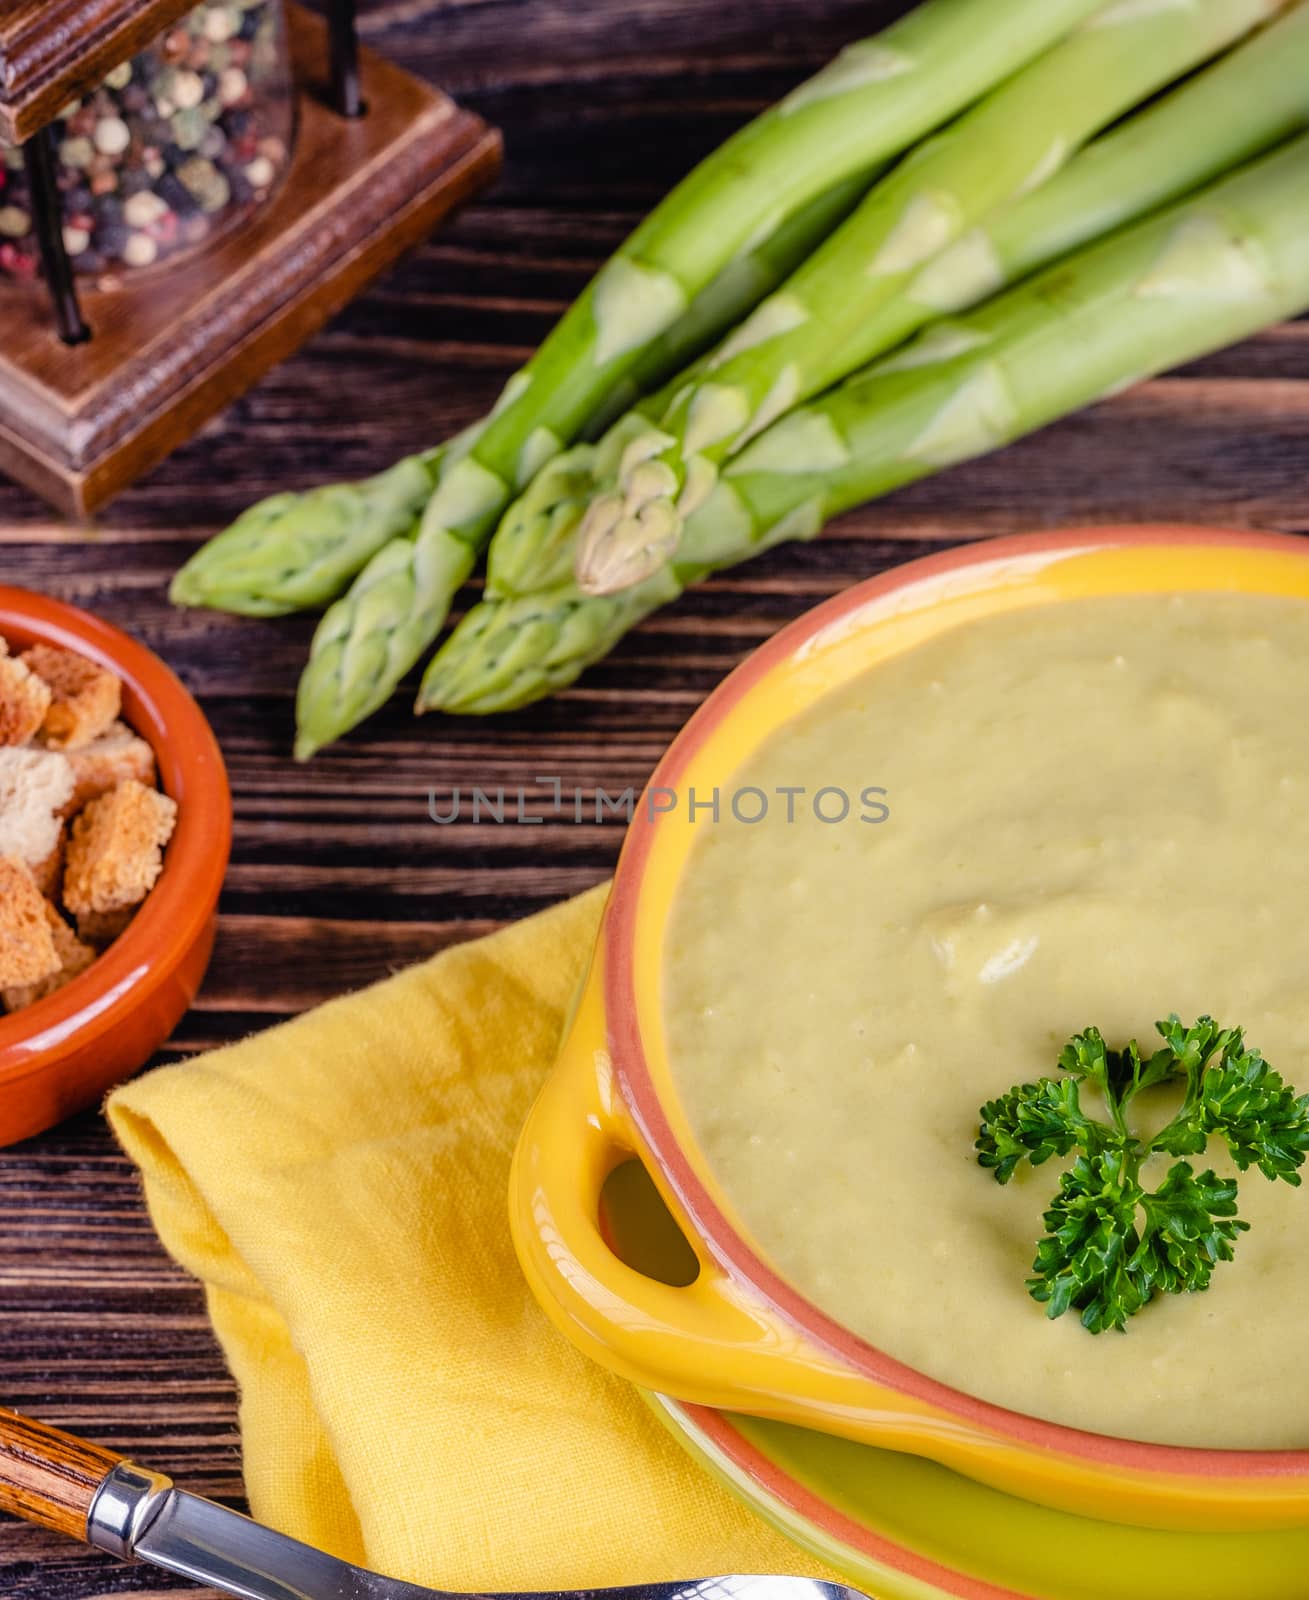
(738, 1337)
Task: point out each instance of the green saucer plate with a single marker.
(902, 1528)
(906, 1529)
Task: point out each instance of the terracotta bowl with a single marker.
(64, 1052)
(739, 1338)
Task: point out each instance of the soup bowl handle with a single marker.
(714, 1341)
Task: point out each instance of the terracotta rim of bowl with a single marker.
(641, 1097)
(178, 909)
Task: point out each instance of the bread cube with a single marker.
(115, 849)
(117, 755)
(73, 956)
(24, 701)
(27, 946)
(85, 697)
(35, 787)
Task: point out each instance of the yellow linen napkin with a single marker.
(339, 1186)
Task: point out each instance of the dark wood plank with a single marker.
(604, 105)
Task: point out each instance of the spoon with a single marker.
(64, 1483)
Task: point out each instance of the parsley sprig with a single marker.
(1110, 1245)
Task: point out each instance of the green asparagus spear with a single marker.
(536, 542)
(524, 535)
(1249, 100)
(733, 294)
(296, 552)
(873, 102)
(1254, 97)
(1208, 271)
(829, 317)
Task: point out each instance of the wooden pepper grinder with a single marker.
(188, 192)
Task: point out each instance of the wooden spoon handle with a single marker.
(48, 1477)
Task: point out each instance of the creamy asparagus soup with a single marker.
(1098, 813)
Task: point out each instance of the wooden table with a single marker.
(337, 874)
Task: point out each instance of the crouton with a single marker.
(115, 850)
(35, 786)
(27, 945)
(74, 958)
(24, 701)
(85, 697)
(117, 755)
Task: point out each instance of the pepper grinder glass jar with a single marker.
(184, 139)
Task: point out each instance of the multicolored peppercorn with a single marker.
(174, 144)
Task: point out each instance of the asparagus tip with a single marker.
(619, 550)
(184, 591)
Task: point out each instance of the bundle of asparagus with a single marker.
(791, 227)
(846, 304)
(1211, 270)
(1248, 101)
